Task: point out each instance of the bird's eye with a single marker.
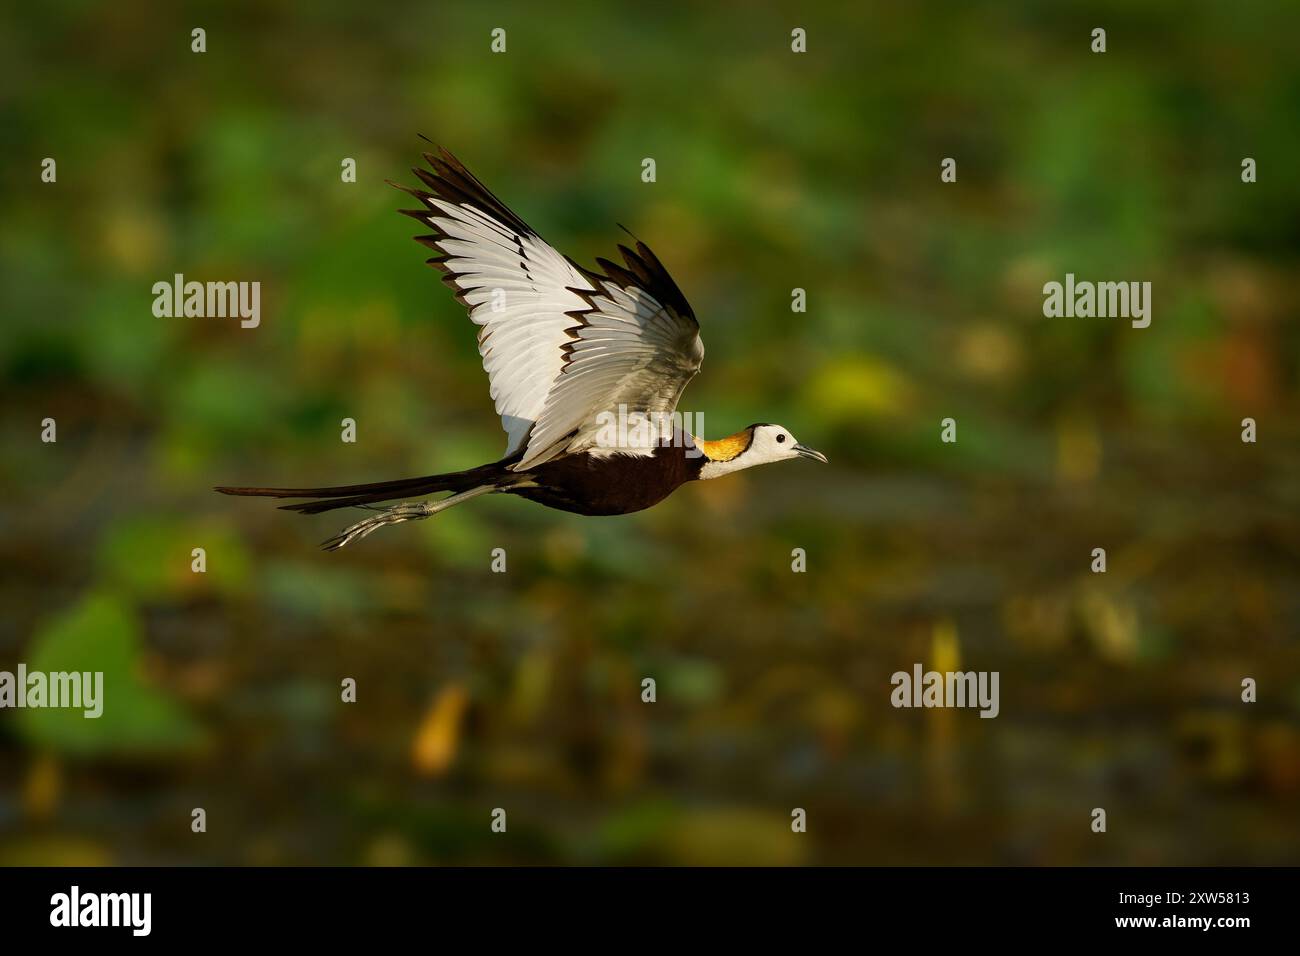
(780, 439)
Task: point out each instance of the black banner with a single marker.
(332, 905)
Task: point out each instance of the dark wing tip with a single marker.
(448, 179)
(643, 269)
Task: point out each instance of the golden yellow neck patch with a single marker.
(725, 449)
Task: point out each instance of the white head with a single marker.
(755, 445)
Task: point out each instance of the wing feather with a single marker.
(560, 344)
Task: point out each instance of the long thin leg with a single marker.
(406, 511)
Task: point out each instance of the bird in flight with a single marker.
(572, 357)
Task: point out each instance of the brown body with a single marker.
(588, 484)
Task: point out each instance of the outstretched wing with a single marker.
(560, 344)
(517, 289)
(636, 348)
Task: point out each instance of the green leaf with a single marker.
(102, 635)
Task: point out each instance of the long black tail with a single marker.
(347, 496)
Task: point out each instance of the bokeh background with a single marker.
(522, 690)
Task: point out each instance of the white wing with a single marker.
(560, 344)
(636, 349)
(516, 287)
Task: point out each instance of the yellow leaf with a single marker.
(438, 736)
(945, 649)
(41, 787)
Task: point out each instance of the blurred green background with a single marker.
(522, 690)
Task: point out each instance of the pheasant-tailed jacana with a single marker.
(565, 349)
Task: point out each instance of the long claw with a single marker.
(394, 515)
(407, 511)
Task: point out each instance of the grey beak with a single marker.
(805, 452)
